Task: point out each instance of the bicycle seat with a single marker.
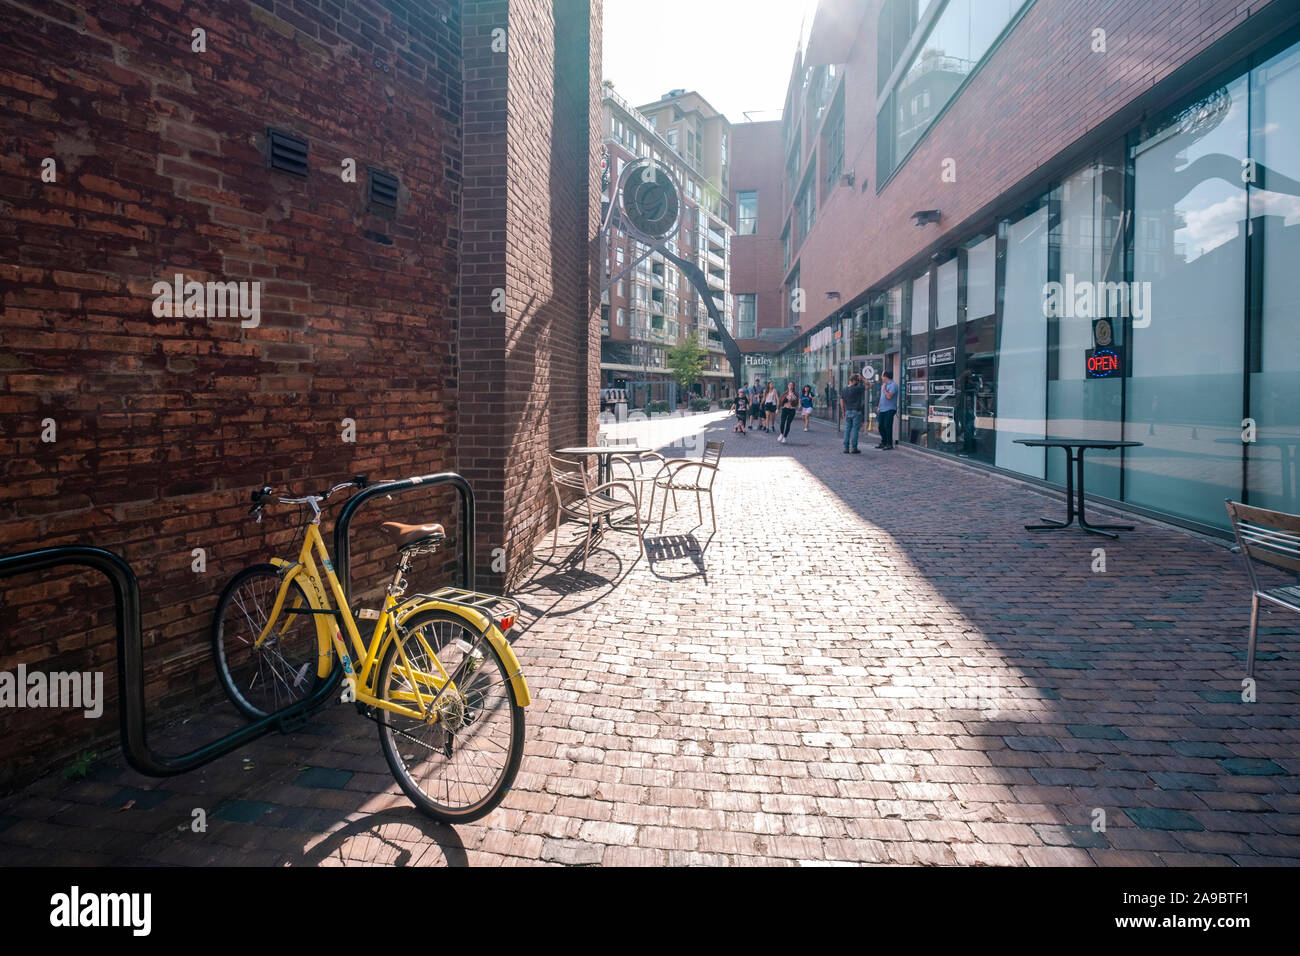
(412, 535)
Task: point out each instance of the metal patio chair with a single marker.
(689, 474)
(642, 470)
(577, 498)
(1270, 537)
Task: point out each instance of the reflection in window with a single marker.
(1275, 328)
(746, 212)
(958, 40)
(1189, 208)
(746, 315)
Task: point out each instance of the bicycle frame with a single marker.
(360, 667)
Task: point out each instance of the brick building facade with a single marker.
(133, 149)
(941, 170)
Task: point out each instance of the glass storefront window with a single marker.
(1274, 200)
(1185, 393)
(977, 381)
(1022, 348)
(1087, 241)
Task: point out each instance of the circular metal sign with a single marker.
(1104, 334)
(868, 373)
(650, 200)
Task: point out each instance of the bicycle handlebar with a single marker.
(260, 498)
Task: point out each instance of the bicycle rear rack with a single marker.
(130, 647)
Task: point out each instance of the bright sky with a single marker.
(735, 53)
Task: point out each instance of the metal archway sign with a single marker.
(647, 203)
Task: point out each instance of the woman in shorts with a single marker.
(806, 405)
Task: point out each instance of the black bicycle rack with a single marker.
(130, 646)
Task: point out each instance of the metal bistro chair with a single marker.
(1270, 537)
(672, 480)
(576, 498)
(642, 470)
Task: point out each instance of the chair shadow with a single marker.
(670, 547)
(446, 838)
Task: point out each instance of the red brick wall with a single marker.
(534, 236)
(756, 260)
(1041, 91)
(165, 425)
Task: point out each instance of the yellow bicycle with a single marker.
(437, 675)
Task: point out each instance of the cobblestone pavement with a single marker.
(870, 662)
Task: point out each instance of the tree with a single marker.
(686, 362)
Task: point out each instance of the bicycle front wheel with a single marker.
(263, 678)
(460, 763)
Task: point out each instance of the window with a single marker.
(746, 212)
(618, 255)
(622, 317)
(622, 290)
(959, 39)
(796, 299)
(1192, 235)
(806, 206)
(792, 165)
(747, 315)
(833, 144)
(672, 137)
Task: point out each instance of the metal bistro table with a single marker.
(1074, 449)
(603, 454)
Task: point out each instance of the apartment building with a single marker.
(1049, 219)
(650, 306)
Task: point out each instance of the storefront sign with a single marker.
(758, 360)
(943, 356)
(942, 387)
(1104, 363)
(916, 388)
(916, 361)
(940, 413)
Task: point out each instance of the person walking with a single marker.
(887, 409)
(806, 405)
(756, 405)
(770, 399)
(851, 406)
(742, 409)
(789, 405)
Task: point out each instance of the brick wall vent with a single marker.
(383, 191)
(286, 152)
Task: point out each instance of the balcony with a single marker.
(715, 261)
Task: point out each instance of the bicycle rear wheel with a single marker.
(281, 671)
(459, 765)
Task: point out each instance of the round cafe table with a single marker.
(603, 455)
(1074, 449)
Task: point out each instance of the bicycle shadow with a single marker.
(560, 577)
(442, 835)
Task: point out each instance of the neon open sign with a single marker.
(1103, 363)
